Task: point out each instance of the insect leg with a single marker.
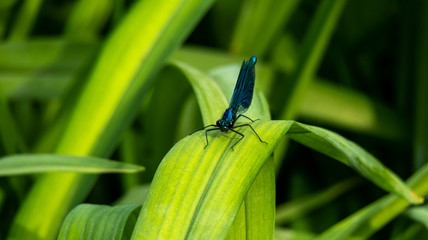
(246, 118)
(251, 129)
(212, 125)
(242, 136)
(206, 134)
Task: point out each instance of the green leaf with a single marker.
(87, 19)
(296, 208)
(257, 220)
(10, 137)
(188, 172)
(342, 107)
(213, 181)
(210, 97)
(205, 59)
(42, 68)
(352, 155)
(135, 195)
(131, 55)
(40, 163)
(258, 209)
(197, 191)
(25, 19)
(419, 214)
(421, 88)
(220, 64)
(368, 220)
(2, 197)
(260, 204)
(312, 50)
(313, 47)
(258, 24)
(159, 118)
(289, 234)
(6, 11)
(130, 152)
(88, 221)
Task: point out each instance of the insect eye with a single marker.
(217, 123)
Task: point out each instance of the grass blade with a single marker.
(365, 222)
(214, 181)
(88, 221)
(87, 19)
(344, 108)
(39, 163)
(116, 87)
(313, 47)
(419, 214)
(256, 208)
(258, 23)
(25, 20)
(10, 137)
(421, 88)
(352, 155)
(42, 68)
(296, 208)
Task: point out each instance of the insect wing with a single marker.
(243, 93)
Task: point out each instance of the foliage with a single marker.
(82, 81)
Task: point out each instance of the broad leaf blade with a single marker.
(258, 220)
(197, 192)
(88, 221)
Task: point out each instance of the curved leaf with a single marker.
(197, 192)
(88, 221)
(289, 234)
(368, 220)
(419, 214)
(213, 181)
(136, 195)
(132, 54)
(352, 155)
(297, 208)
(213, 187)
(39, 163)
(259, 211)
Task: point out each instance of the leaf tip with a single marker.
(416, 198)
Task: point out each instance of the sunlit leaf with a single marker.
(419, 214)
(88, 221)
(211, 181)
(117, 84)
(40, 163)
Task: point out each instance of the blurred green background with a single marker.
(359, 68)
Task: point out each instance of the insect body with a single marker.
(240, 102)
